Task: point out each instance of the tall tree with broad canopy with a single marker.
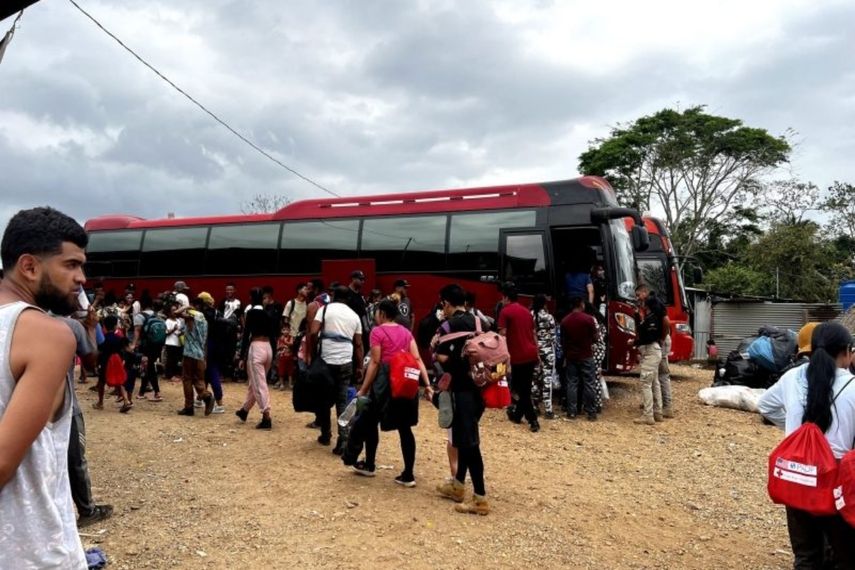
(693, 166)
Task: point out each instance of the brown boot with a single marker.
(477, 506)
(668, 412)
(645, 420)
(452, 490)
(657, 417)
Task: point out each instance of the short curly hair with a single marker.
(39, 231)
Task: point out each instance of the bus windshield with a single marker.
(623, 262)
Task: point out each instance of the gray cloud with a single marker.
(371, 97)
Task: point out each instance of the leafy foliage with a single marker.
(696, 167)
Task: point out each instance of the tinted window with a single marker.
(113, 254)
(114, 241)
(525, 262)
(474, 240)
(653, 273)
(174, 252)
(305, 244)
(406, 244)
(242, 250)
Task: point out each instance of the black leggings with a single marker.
(408, 447)
(469, 459)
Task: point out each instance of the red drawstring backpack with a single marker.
(803, 472)
(404, 374)
(115, 374)
(497, 395)
(844, 493)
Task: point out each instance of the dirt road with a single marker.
(213, 493)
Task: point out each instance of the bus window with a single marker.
(242, 249)
(113, 254)
(525, 262)
(405, 244)
(305, 244)
(174, 252)
(653, 273)
(474, 238)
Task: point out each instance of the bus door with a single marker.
(522, 259)
(340, 270)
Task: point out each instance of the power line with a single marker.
(201, 106)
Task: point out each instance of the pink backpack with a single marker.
(487, 352)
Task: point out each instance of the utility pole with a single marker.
(777, 282)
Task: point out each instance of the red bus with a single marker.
(659, 269)
(475, 237)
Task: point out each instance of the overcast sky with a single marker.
(373, 97)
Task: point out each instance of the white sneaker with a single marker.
(198, 404)
(218, 409)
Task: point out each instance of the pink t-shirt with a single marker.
(390, 339)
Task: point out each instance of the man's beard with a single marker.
(50, 298)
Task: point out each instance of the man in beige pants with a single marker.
(651, 322)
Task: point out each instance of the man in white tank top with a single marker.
(43, 254)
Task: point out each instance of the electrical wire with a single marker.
(202, 107)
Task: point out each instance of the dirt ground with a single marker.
(214, 493)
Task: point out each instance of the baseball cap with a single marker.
(180, 286)
(402, 283)
(357, 275)
(205, 297)
(805, 334)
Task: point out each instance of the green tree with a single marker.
(789, 201)
(801, 258)
(694, 166)
(739, 280)
(840, 204)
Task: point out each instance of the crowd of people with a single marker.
(335, 337)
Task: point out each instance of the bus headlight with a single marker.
(625, 322)
(683, 328)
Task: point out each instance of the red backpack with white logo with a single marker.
(404, 374)
(803, 472)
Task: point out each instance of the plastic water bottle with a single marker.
(348, 414)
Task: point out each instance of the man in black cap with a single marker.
(356, 301)
(405, 311)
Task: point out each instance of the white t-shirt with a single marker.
(230, 307)
(784, 405)
(340, 326)
(174, 338)
(182, 299)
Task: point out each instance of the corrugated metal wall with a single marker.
(732, 321)
(702, 326)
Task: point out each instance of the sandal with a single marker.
(155, 399)
(98, 405)
(126, 408)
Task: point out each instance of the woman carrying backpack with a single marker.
(388, 338)
(820, 392)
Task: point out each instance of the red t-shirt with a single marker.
(519, 326)
(578, 335)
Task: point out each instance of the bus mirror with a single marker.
(697, 274)
(640, 238)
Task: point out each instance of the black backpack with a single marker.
(428, 326)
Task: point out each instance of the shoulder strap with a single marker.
(291, 310)
(841, 390)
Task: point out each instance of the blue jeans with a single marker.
(581, 373)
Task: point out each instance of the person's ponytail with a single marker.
(828, 341)
(821, 373)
